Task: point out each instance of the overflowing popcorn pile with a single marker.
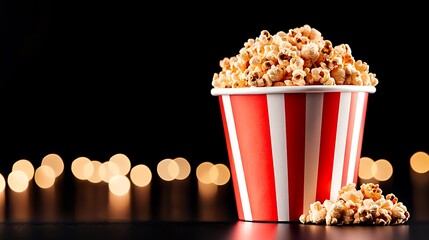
(365, 206)
(296, 58)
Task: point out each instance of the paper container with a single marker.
(290, 146)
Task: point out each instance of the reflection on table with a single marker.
(259, 230)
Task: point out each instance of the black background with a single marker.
(94, 78)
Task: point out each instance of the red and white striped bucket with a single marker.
(290, 146)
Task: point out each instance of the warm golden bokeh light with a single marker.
(45, 176)
(119, 185)
(140, 175)
(382, 170)
(184, 168)
(95, 176)
(2, 183)
(223, 174)
(26, 166)
(206, 173)
(419, 162)
(123, 163)
(167, 169)
(88, 170)
(365, 166)
(81, 168)
(213, 174)
(17, 180)
(55, 162)
(107, 170)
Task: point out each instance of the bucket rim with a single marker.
(292, 89)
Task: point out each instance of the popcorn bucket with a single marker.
(291, 146)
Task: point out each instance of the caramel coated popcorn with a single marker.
(296, 58)
(365, 206)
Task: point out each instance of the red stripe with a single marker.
(352, 118)
(331, 103)
(231, 163)
(253, 132)
(359, 147)
(295, 134)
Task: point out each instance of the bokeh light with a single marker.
(223, 174)
(140, 175)
(55, 162)
(382, 170)
(95, 176)
(44, 176)
(365, 166)
(205, 173)
(209, 173)
(184, 168)
(82, 168)
(419, 162)
(26, 166)
(17, 181)
(2, 183)
(119, 185)
(107, 170)
(123, 162)
(167, 169)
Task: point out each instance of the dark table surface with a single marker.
(207, 230)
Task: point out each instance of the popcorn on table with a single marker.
(365, 206)
(296, 58)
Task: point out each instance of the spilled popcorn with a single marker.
(365, 206)
(298, 57)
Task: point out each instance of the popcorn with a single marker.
(296, 58)
(365, 206)
(371, 190)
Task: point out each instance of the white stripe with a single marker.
(313, 127)
(242, 187)
(355, 137)
(340, 144)
(277, 120)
